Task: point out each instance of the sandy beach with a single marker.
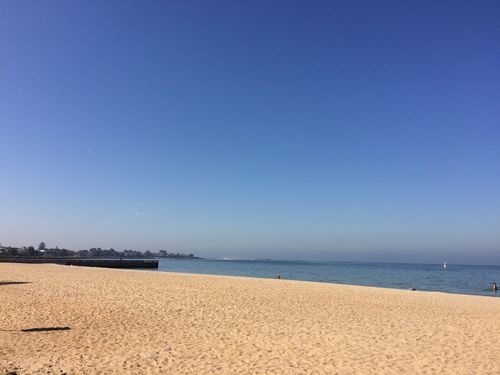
(143, 322)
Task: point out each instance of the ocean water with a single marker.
(460, 279)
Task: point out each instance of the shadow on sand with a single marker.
(13, 282)
(37, 329)
(46, 329)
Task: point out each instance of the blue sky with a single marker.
(288, 129)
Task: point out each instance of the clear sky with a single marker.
(362, 130)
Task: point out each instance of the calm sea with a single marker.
(430, 277)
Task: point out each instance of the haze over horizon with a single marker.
(347, 130)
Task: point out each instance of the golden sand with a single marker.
(143, 322)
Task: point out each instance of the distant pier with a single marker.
(108, 263)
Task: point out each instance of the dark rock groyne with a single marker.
(108, 263)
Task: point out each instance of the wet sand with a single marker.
(143, 322)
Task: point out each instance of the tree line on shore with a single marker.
(95, 252)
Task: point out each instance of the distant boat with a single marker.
(445, 265)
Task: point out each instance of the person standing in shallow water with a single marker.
(494, 287)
